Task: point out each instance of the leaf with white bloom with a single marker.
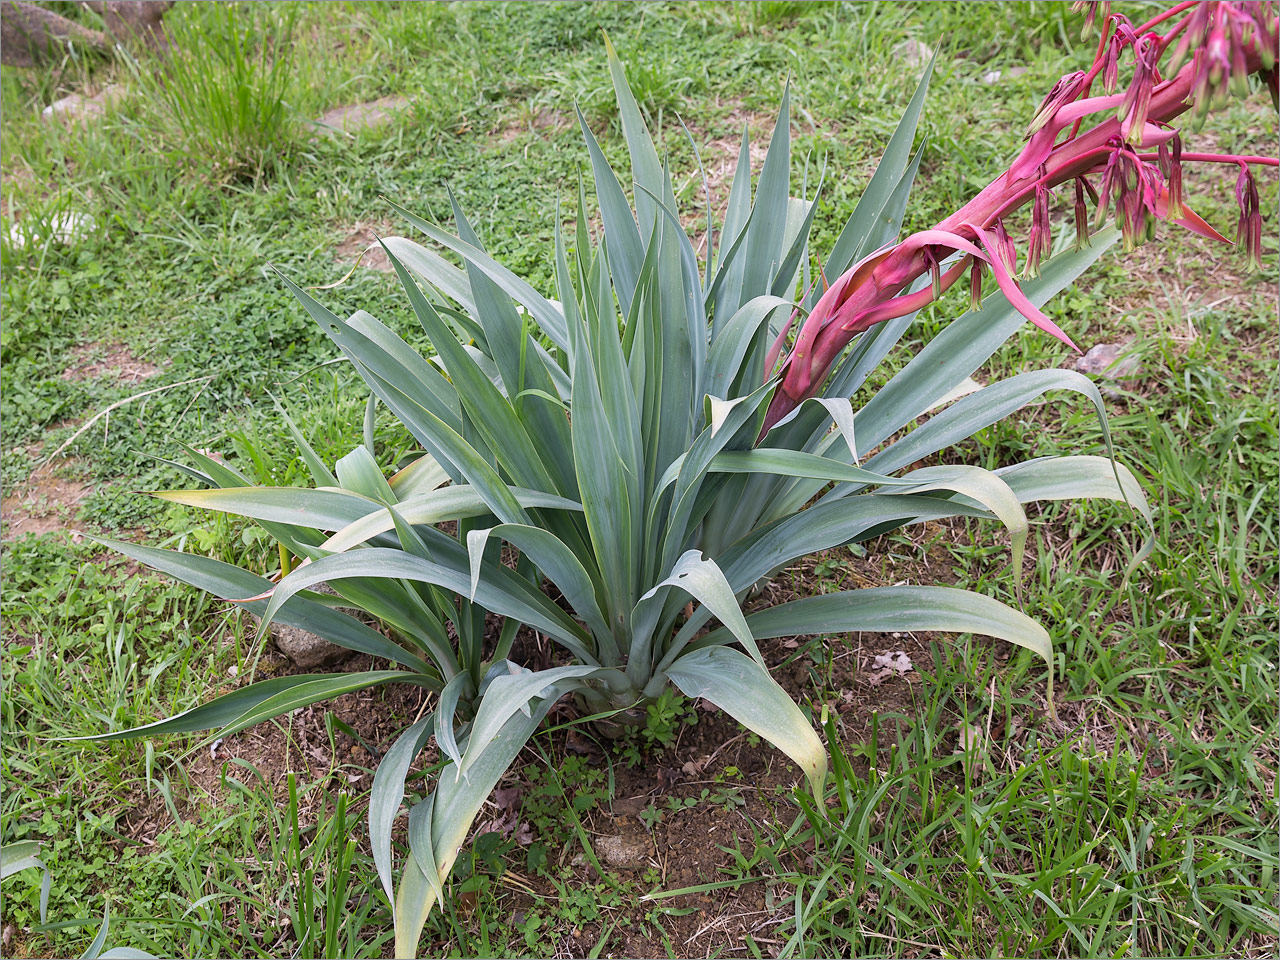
(388, 793)
(703, 580)
(507, 695)
(556, 561)
(899, 609)
(1082, 477)
(459, 502)
(742, 688)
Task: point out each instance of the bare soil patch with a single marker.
(44, 504)
(92, 361)
(360, 246)
(544, 123)
(355, 117)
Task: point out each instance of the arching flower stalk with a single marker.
(1212, 48)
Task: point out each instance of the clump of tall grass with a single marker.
(224, 86)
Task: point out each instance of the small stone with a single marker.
(629, 806)
(1115, 361)
(913, 52)
(305, 649)
(66, 227)
(359, 116)
(623, 853)
(991, 76)
(76, 106)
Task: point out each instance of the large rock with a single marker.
(354, 117)
(1112, 363)
(913, 53)
(306, 650)
(32, 33)
(623, 853)
(75, 106)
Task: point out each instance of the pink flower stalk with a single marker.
(1226, 42)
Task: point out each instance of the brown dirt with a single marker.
(359, 116)
(362, 238)
(44, 504)
(299, 743)
(545, 122)
(718, 147)
(91, 361)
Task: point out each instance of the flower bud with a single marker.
(1005, 248)
(1137, 101)
(1081, 215)
(1171, 167)
(975, 284)
(1091, 9)
(1249, 227)
(1041, 241)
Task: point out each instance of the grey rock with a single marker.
(359, 116)
(75, 106)
(913, 52)
(306, 650)
(623, 853)
(1114, 361)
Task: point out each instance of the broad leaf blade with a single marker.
(742, 688)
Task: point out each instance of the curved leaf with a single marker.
(229, 582)
(510, 596)
(461, 502)
(901, 609)
(1081, 477)
(455, 804)
(742, 688)
(556, 562)
(986, 488)
(510, 694)
(703, 580)
(321, 509)
(734, 337)
(388, 793)
(242, 708)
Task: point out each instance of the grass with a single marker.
(1143, 821)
